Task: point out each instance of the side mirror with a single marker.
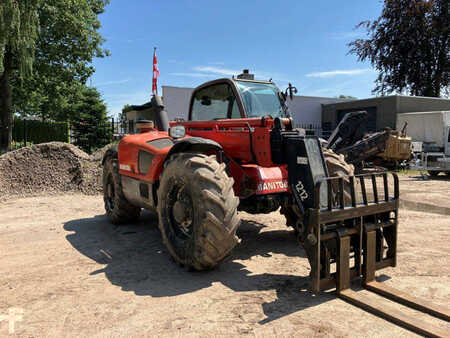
(291, 90)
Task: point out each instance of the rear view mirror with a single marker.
(206, 101)
(290, 90)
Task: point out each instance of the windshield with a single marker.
(260, 99)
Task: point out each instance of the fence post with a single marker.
(112, 129)
(14, 134)
(25, 132)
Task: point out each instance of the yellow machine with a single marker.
(398, 147)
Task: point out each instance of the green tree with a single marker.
(67, 42)
(347, 97)
(123, 115)
(90, 126)
(18, 34)
(409, 46)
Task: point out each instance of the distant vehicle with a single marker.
(432, 130)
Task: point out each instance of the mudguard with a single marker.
(111, 152)
(194, 144)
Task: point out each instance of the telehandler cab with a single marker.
(238, 151)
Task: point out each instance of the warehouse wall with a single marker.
(386, 108)
(308, 109)
(409, 104)
(176, 101)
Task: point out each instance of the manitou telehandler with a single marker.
(239, 151)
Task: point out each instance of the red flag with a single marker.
(155, 74)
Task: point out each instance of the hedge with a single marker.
(39, 131)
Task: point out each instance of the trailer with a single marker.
(431, 130)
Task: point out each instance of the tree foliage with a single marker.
(123, 115)
(18, 34)
(342, 96)
(409, 46)
(68, 41)
(90, 126)
(58, 40)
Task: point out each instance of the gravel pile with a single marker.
(50, 168)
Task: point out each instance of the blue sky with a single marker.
(303, 42)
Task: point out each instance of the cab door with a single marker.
(215, 102)
(212, 112)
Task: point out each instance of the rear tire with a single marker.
(118, 209)
(197, 210)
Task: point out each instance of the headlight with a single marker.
(177, 132)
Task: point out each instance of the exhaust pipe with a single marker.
(161, 118)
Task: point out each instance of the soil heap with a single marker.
(50, 168)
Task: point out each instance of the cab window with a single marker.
(214, 103)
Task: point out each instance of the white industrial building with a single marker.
(176, 101)
(305, 110)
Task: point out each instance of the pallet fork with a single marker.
(358, 239)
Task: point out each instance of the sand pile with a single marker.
(48, 168)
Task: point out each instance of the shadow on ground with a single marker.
(136, 260)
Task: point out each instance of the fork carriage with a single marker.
(363, 232)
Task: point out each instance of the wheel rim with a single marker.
(110, 194)
(180, 211)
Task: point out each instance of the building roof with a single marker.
(379, 98)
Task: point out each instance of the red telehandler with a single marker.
(239, 151)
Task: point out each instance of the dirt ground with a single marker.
(74, 274)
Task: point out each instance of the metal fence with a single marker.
(120, 128)
(313, 129)
(26, 132)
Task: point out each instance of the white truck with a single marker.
(431, 130)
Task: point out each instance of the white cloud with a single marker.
(216, 70)
(192, 74)
(333, 73)
(114, 82)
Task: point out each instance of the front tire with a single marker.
(197, 210)
(117, 207)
